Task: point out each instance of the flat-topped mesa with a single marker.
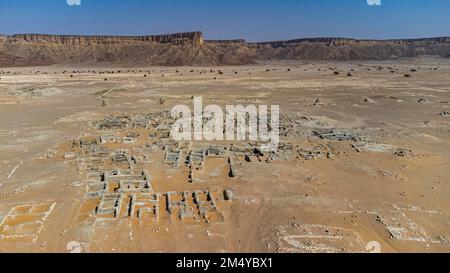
(195, 38)
(350, 42)
(433, 39)
(328, 41)
(227, 42)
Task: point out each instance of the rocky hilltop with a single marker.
(191, 49)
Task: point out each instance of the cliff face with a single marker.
(228, 42)
(37, 49)
(194, 38)
(191, 49)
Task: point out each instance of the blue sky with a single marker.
(254, 20)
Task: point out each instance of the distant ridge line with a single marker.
(190, 48)
(198, 34)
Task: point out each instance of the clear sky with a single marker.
(254, 20)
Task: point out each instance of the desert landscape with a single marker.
(87, 160)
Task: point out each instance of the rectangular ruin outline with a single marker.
(41, 221)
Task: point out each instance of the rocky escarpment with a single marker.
(351, 49)
(172, 49)
(228, 42)
(192, 38)
(344, 49)
(191, 49)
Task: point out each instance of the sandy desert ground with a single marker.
(84, 157)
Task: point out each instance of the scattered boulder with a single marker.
(227, 194)
(423, 100)
(161, 101)
(367, 100)
(317, 102)
(105, 103)
(402, 152)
